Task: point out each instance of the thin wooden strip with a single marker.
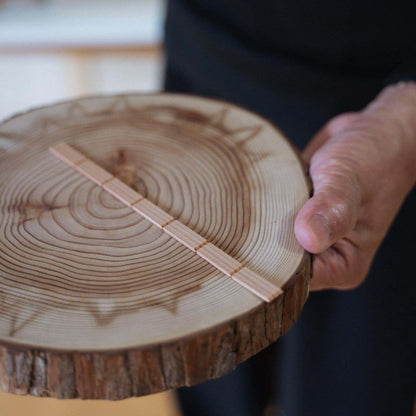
(236, 270)
(257, 284)
(67, 153)
(219, 259)
(240, 274)
(184, 235)
(123, 192)
(152, 213)
(94, 172)
(201, 245)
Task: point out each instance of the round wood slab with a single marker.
(98, 303)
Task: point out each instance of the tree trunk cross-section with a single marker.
(98, 303)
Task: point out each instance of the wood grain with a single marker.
(96, 302)
(212, 254)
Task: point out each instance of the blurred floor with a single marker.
(162, 404)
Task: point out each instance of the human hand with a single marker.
(362, 166)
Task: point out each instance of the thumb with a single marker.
(330, 129)
(332, 211)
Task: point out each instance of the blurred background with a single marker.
(53, 50)
(58, 49)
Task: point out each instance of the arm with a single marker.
(362, 166)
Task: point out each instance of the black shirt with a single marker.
(355, 36)
(299, 63)
(269, 55)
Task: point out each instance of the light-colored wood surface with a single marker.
(98, 303)
(212, 254)
(162, 404)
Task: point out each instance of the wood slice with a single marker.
(98, 303)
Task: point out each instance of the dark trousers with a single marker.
(351, 353)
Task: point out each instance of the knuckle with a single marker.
(339, 179)
(334, 168)
(340, 211)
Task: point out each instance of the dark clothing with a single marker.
(299, 64)
(348, 36)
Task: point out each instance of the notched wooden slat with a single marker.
(152, 213)
(94, 172)
(122, 192)
(184, 235)
(67, 153)
(257, 284)
(218, 258)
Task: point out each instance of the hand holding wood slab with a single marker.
(152, 274)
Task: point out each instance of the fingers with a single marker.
(359, 164)
(343, 266)
(332, 211)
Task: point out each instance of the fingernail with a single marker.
(320, 228)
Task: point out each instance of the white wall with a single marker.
(33, 79)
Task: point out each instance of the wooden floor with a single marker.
(162, 404)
